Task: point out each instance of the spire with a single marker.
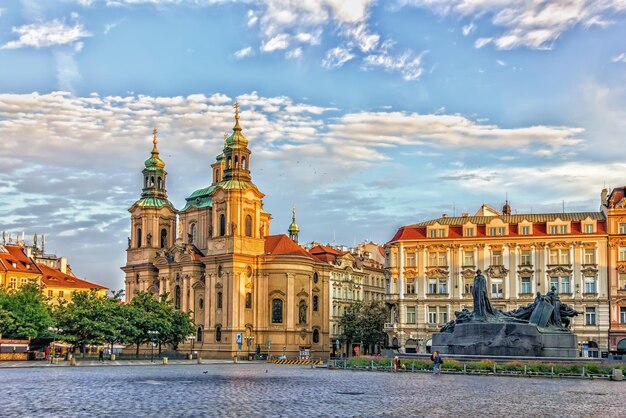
(293, 228)
(154, 161)
(506, 209)
(154, 173)
(237, 126)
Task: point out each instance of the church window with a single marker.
(315, 277)
(243, 163)
(192, 233)
(138, 237)
(315, 303)
(218, 333)
(248, 225)
(163, 238)
(316, 336)
(236, 162)
(222, 225)
(228, 161)
(177, 297)
(151, 181)
(219, 300)
(277, 311)
(199, 335)
(159, 183)
(248, 300)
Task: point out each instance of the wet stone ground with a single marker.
(252, 390)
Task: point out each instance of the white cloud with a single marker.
(294, 53)
(47, 34)
(280, 41)
(110, 26)
(252, 18)
(407, 64)
(336, 57)
(501, 63)
(361, 38)
(619, 58)
(243, 53)
(467, 29)
(528, 23)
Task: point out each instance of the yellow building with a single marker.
(16, 268)
(219, 262)
(432, 264)
(21, 264)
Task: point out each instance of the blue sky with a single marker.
(367, 115)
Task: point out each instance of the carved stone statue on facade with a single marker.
(149, 239)
(302, 313)
(129, 243)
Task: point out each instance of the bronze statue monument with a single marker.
(539, 329)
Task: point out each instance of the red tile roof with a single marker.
(56, 278)
(13, 258)
(283, 245)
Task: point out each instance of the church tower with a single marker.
(293, 228)
(153, 226)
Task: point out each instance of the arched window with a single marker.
(163, 238)
(248, 300)
(219, 300)
(316, 336)
(177, 297)
(199, 335)
(236, 162)
(277, 311)
(315, 303)
(159, 183)
(145, 182)
(228, 163)
(138, 237)
(621, 346)
(218, 333)
(216, 178)
(222, 225)
(192, 233)
(243, 163)
(151, 181)
(248, 226)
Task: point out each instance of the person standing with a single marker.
(101, 354)
(437, 362)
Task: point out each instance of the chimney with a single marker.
(466, 215)
(62, 263)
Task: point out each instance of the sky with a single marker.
(366, 115)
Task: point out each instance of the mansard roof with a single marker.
(13, 258)
(514, 219)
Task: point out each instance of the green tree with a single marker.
(373, 316)
(88, 319)
(350, 322)
(24, 313)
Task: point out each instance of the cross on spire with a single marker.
(154, 133)
(236, 106)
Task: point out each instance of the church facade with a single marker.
(216, 259)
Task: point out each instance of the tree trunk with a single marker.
(137, 352)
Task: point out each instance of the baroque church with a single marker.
(216, 259)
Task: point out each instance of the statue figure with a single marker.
(482, 305)
(302, 313)
(524, 312)
(210, 230)
(149, 239)
(129, 243)
(233, 228)
(553, 298)
(189, 238)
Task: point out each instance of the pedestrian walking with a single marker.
(101, 355)
(437, 362)
(396, 363)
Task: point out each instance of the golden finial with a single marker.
(236, 106)
(154, 133)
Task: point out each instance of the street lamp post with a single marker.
(249, 340)
(191, 338)
(153, 335)
(55, 330)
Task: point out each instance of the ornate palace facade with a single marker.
(431, 267)
(217, 260)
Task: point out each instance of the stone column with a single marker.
(506, 260)
(401, 271)
(535, 276)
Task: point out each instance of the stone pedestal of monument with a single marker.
(504, 339)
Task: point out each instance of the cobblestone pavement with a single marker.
(253, 390)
